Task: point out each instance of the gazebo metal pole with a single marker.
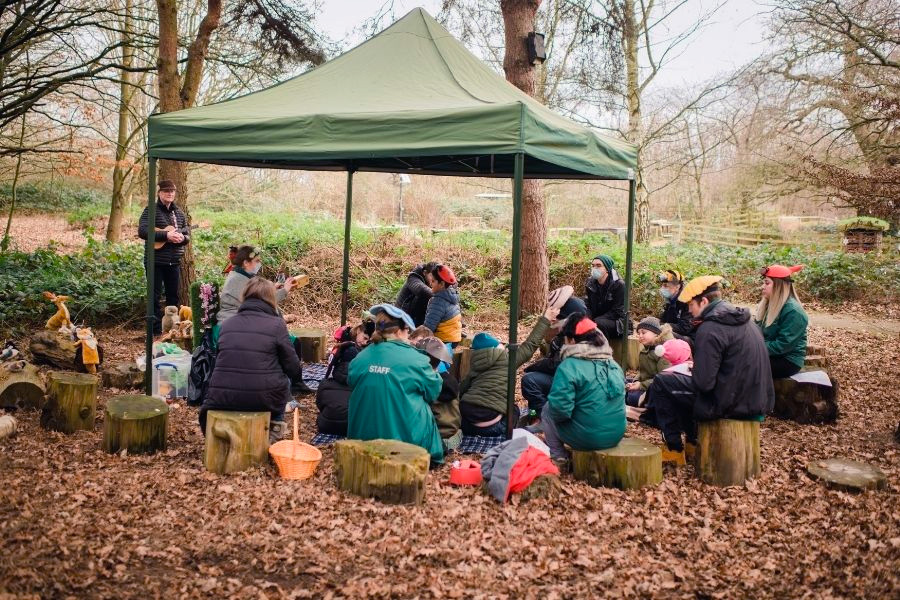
(629, 252)
(149, 252)
(518, 176)
(345, 283)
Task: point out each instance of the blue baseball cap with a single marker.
(393, 311)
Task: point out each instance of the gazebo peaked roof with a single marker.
(411, 99)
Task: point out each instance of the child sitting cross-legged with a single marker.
(651, 334)
(333, 395)
(446, 407)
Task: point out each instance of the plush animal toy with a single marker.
(90, 356)
(186, 328)
(61, 319)
(185, 313)
(170, 319)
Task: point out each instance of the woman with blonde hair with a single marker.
(782, 320)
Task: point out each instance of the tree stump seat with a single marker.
(462, 362)
(847, 475)
(727, 451)
(236, 440)
(633, 352)
(136, 423)
(21, 386)
(631, 465)
(806, 402)
(390, 471)
(313, 344)
(71, 402)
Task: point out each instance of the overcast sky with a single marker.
(733, 37)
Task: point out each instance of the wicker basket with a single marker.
(295, 459)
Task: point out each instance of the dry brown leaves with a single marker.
(75, 522)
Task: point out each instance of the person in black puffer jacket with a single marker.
(166, 260)
(333, 395)
(255, 362)
(605, 297)
(416, 292)
(675, 312)
(731, 377)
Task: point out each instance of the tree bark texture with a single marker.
(387, 470)
(126, 93)
(313, 344)
(71, 402)
(58, 350)
(178, 91)
(728, 451)
(518, 21)
(236, 441)
(21, 386)
(138, 424)
(630, 40)
(631, 465)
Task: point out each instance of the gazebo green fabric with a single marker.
(411, 99)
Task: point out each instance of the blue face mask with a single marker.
(665, 293)
(255, 268)
(597, 273)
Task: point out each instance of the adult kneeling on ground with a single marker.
(256, 360)
(731, 377)
(783, 321)
(393, 385)
(586, 406)
(606, 297)
(483, 392)
(416, 292)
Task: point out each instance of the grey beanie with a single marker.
(650, 324)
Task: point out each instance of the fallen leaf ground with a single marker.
(75, 522)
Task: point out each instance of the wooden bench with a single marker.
(138, 424)
(727, 451)
(387, 470)
(235, 440)
(631, 465)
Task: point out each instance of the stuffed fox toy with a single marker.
(90, 356)
(61, 319)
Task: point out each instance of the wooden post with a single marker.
(631, 465)
(728, 451)
(71, 402)
(313, 344)
(387, 470)
(21, 386)
(462, 362)
(235, 441)
(136, 423)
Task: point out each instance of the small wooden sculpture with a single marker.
(61, 319)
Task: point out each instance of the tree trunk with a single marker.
(518, 21)
(630, 44)
(4, 243)
(236, 441)
(71, 402)
(58, 350)
(806, 402)
(387, 470)
(728, 451)
(126, 93)
(631, 465)
(178, 91)
(138, 424)
(21, 386)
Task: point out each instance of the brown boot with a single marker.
(276, 431)
(675, 457)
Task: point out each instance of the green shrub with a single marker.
(52, 197)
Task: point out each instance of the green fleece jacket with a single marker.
(485, 385)
(786, 336)
(649, 364)
(587, 400)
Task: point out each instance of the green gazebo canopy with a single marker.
(411, 99)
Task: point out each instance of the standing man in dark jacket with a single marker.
(731, 377)
(606, 297)
(173, 231)
(675, 312)
(416, 292)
